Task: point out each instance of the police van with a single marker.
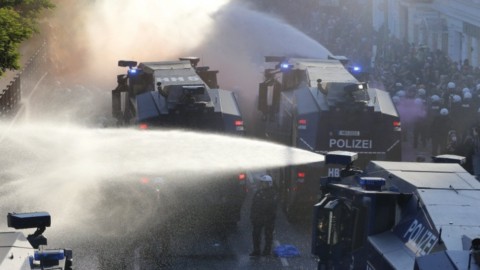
(320, 106)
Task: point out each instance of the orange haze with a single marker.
(87, 39)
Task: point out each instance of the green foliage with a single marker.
(18, 19)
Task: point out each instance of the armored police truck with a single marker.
(175, 94)
(398, 215)
(318, 105)
(181, 95)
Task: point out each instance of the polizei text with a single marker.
(351, 143)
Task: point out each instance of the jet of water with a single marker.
(62, 167)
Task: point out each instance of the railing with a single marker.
(23, 83)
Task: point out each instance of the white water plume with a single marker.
(60, 168)
(237, 45)
(89, 37)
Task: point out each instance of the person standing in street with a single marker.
(473, 155)
(262, 216)
(440, 127)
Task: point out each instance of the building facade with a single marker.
(452, 26)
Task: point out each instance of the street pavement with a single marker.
(421, 153)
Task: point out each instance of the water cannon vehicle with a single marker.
(398, 215)
(319, 106)
(175, 94)
(18, 252)
(183, 95)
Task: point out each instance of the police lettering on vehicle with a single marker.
(350, 143)
(334, 172)
(419, 238)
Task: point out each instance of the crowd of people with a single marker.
(438, 99)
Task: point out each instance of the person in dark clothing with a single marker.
(262, 216)
(419, 119)
(474, 143)
(440, 127)
(433, 111)
(452, 145)
(466, 149)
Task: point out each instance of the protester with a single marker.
(262, 216)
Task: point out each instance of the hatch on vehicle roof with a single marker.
(427, 175)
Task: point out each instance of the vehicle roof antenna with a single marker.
(440, 240)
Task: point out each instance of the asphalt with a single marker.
(422, 153)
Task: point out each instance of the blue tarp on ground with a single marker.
(286, 251)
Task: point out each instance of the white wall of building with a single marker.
(475, 53)
(455, 39)
(394, 18)
(378, 13)
(444, 29)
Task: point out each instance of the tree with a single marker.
(18, 20)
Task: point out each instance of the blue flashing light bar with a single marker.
(286, 66)
(357, 68)
(132, 71)
(372, 183)
(49, 255)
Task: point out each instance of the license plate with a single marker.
(349, 133)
